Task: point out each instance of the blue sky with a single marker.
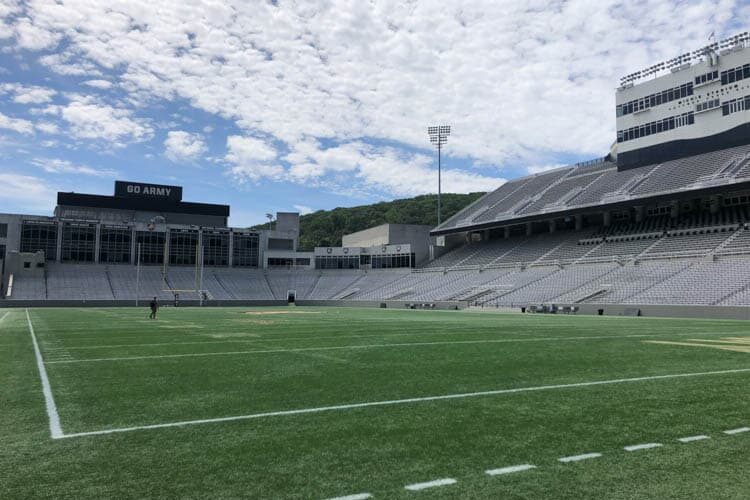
(272, 106)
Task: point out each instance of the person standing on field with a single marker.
(154, 308)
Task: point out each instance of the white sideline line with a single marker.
(358, 496)
(509, 470)
(55, 430)
(401, 402)
(647, 446)
(430, 484)
(737, 431)
(578, 458)
(690, 439)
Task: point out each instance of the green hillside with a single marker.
(326, 227)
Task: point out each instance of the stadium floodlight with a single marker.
(439, 137)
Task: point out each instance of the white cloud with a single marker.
(521, 82)
(183, 146)
(91, 119)
(251, 159)
(99, 84)
(58, 166)
(23, 94)
(33, 37)
(16, 124)
(25, 192)
(303, 210)
(47, 127)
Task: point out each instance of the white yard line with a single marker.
(737, 431)
(302, 349)
(4, 316)
(358, 496)
(509, 470)
(578, 458)
(403, 401)
(690, 439)
(55, 429)
(646, 446)
(430, 484)
(334, 337)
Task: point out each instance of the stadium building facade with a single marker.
(663, 220)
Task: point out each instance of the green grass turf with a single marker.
(377, 449)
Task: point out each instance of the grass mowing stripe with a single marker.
(406, 401)
(430, 484)
(334, 337)
(330, 348)
(55, 429)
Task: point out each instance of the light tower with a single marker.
(438, 137)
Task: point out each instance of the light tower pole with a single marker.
(439, 136)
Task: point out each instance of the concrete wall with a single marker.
(391, 304)
(418, 236)
(662, 311)
(370, 237)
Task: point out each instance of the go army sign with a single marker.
(141, 190)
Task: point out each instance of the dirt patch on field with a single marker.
(253, 321)
(269, 313)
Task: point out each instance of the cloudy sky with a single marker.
(296, 105)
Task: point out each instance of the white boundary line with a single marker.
(357, 496)
(393, 402)
(690, 439)
(430, 484)
(55, 430)
(509, 470)
(646, 446)
(737, 431)
(578, 458)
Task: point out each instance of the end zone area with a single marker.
(341, 402)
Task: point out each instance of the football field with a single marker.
(318, 403)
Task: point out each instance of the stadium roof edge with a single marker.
(589, 208)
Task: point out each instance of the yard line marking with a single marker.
(55, 430)
(299, 349)
(4, 316)
(578, 458)
(401, 402)
(509, 470)
(647, 446)
(737, 431)
(430, 484)
(358, 496)
(690, 439)
(271, 339)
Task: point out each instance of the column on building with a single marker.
(529, 229)
(639, 210)
(607, 218)
(579, 222)
(97, 242)
(59, 241)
